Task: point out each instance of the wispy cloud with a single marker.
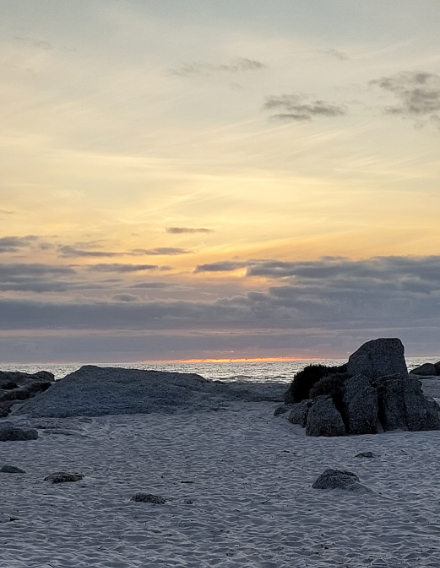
(225, 266)
(161, 251)
(417, 94)
(336, 54)
(150, 285)
(238, 65)
(299, 107)
(39, 43)
(126, 298)
(68, 251)
(189, 230)
(124, 268)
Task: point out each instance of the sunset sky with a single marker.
(218, 179)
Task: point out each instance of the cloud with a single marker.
(336, 53)
(298, 108)
(336, 300)
(36, 278)
(165, 251)
(225, 266)
(41, 44)
(123, 268)
(239, 65)
(19, 270)
(417, 94)
(189, 230)
(67, 251)
(126, 298)
(151, 285)
(15, 244)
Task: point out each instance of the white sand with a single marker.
(249, 504)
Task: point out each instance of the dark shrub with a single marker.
(304, 380)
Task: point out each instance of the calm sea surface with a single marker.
(226, 371)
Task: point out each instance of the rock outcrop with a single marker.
(426, 370)
(16, 387)
(98, 391)
(375, 394)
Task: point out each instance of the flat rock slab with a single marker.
(97, 391)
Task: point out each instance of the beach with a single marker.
(237, 484)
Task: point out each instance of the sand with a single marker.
(238, 490)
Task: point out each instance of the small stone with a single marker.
(63, 477)
(11, 469)
(366, 455)
(148, 498)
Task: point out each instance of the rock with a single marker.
(360, 406)
(148, 498)
(425, 370)
(63, 477)
(402, 405)
(9, 385)
(378, 358)
(437, 367)
(299, 412)
(10, 433)
(339, 479)
(5, 408)
(365, 455)
(17, 387)
(99, 391)
(280, 410)
(11, 469)
(324, 419)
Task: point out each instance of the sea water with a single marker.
(260, 371)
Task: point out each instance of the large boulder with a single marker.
(360, 405)
(378, 358)
(425, 370)
(324, 419)
(402, 405)
(437, 367)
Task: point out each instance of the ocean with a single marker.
(259, 371)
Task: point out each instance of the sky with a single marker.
(218, 179)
